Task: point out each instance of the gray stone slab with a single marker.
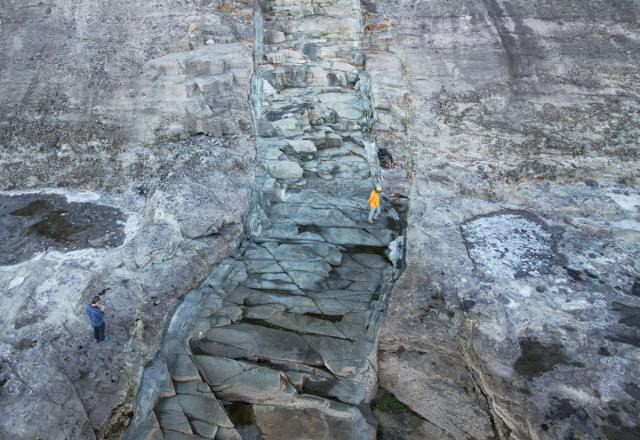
(262, 266)
(175, 435)
(272, 285)
(171, 404)
(343, 358)
(242, 381)
(295, 322)
(255, 342)
(174, 421)
(228, 434)
(206, 409)
(317, 267)
(197, 388)
(308, 215)
(294, 304)
(181, 368)
(203, 429)
(373, 261)
(351, 237)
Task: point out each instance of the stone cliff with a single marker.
(126, 158)
(516, 124)
(504, 134)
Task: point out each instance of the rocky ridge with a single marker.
(280, 341)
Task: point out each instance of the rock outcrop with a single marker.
(126, 157)
(504, 133)
(281, 339)
(514, 123)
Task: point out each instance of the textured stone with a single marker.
(285, 170)
(181, 368)
(206, 409)
(521, 109)
(337, 421)
(112, 113)
(174, 421)
(235, 380)
(303, 146)
(252, 342)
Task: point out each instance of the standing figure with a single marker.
(95, 310)
(374, 204)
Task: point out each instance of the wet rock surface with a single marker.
(31, 224)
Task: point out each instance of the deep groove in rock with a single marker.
(292, 130)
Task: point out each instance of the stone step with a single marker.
(309, 75)
(174, 435)
(301, 324)
(257, 343)
(313, 27)
(307, 51)
(314, 419)
(327, 305)
(235, 380)
(287, 333)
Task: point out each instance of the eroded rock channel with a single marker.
(280, 341)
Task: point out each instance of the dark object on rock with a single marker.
(635, 289)
(33, 223)
(573, 273)
(240, 413)
(537, 358)
(385, 159)
(603, 351)
(629, 315)
(141, 190)
(386, 402)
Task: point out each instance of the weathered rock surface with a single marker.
(512, 126)
(285, 331)
(126, 145)
(514, 121)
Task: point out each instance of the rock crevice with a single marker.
(289, 324)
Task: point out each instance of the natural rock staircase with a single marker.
(280, 340)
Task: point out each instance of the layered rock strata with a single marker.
(126, 157)
(281, 340)
(514, 122)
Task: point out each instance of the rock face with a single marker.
(510, 126)
(32, 224)
(513, 318)
(126, 156)
(287, 328)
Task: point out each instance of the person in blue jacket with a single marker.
(95, 310)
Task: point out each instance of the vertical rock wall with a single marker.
(515, 123)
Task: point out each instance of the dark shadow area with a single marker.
(33, 223)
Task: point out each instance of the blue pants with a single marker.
(98, 332)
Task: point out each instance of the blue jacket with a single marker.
(95, 315)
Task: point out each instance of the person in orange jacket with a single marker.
(374, 204)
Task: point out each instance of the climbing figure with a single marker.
(374, 204)
(95, 310)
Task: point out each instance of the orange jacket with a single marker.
(374, 199)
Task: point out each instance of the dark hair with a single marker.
(95, 300)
